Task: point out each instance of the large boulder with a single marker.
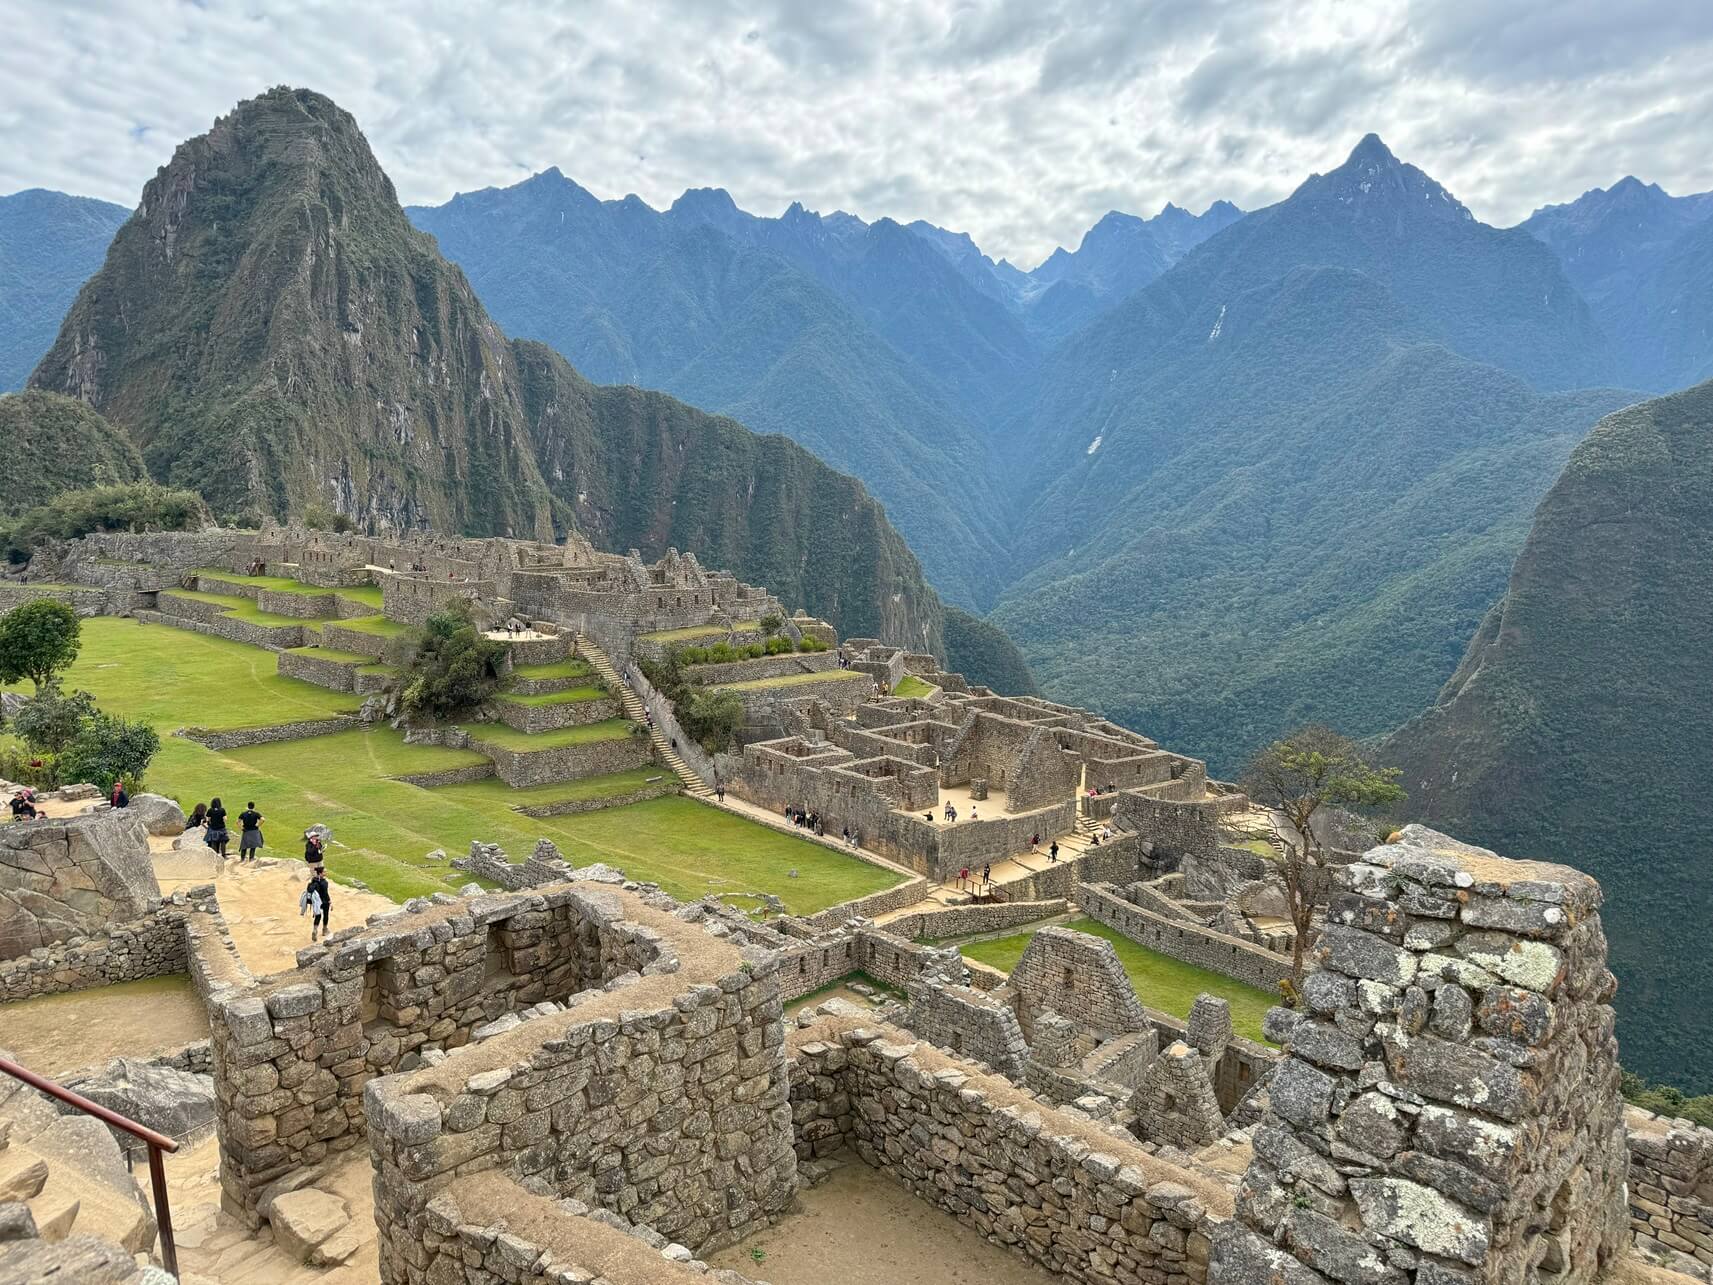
(72, 877)
(176, 1103)
(159, 814)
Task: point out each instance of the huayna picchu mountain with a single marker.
(271, 331)
(1577, 727)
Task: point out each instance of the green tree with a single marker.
(319, 517)
(109, 748)
(37, 641)
(772, 623)
(130, 506)
(454, 667)
(50, 721)
(1312, 768)
(712, 718)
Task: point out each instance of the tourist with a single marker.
(1034, 844)
(23, 806)
(314, 850)
(250, 838)
(951, 812)
(963, 876)
(198, 817)
(928, 817)
(987, 873)
(1053, 852)
(720, 790)
(119, 798)
(973, 816)
(216, 835)
(787, 811)
(847, 836)
(1095, 839)
(317, 901)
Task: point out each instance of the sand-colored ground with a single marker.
(54, 1034)
(259, 900)
(861, 1228)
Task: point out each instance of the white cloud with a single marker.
(1019, 121)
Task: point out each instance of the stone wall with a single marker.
(238, 738)
(840, 690)
(965, 921)
(736, 671)
(1671, 1186)
(1448, 1110)
(1176, 831)
(1240, 960)
(83, 601)
(520, 768)
(335, 675)
(543, 1239)
(69, 877)
(152, 944)
(1078, 976)
(970, 1024)
(531, 718)
(659, 1094)
(1081, 1202)
(807, 965)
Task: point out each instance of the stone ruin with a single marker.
(1448, 1110)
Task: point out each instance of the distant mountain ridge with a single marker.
(270, 330)
(50, 243)
(1575, 728)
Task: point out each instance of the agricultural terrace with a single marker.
(383, 827)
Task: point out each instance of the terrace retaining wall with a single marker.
(532, 719)
(566, 762)
(1192, 944)
(151, 945)
(239, 738)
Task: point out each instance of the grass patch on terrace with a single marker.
(689, 634)
(1260, 847)
(243, 609)
(280, 584)
(1160, 981)
(493, 791)
(509, 738)
(569, 668)
(571, 696)
(331, 653)
(910, 685)
(794, 680)
(367, 594)
(382, 828)
(379, 626)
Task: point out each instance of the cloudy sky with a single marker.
(1018, 121)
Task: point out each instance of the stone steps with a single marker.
(634, 710)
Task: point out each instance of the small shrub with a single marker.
(51, 721)
(109, 748)
(711, 718)
(771, 623)
(809, 643)
(132, 506)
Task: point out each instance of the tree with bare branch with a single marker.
(1312, 768)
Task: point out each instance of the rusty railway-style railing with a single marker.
(157, 1143)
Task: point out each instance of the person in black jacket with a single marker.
(217, 836)
(251, 839)
(318, 901)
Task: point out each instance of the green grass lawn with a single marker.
(382, 828)
(284, 584)
(684, 635)
(1260, 847)
(240, 609)
(1161, 982)
(910, 685)
(509, 738)
(367, 594)
(379, 626)
(570, 696)
(796, 680)
(569, 668)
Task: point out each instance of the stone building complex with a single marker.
(576, 1078)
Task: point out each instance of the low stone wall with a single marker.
(343, 638)
(238, 738)
(335, 675)
(668, 784)
(303, 606)
(970, 1024)
(810, 964)
(906, 893)
(566, 762)
(269, 637)
(1083, 1203)
(965, 921)
(734, 671)
(531, 719)
(1671, 1185)
(840, 690)
(659, 1094)
(83, 601)
(152, 945)
(450, 776)
(544, 1239)
(1240, 960)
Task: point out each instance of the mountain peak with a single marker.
(1371, 151)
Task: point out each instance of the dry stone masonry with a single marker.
(1448, 1111)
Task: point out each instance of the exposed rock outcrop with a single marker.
(72, 877)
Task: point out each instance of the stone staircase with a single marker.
(598, 659)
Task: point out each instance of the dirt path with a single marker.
(259, 900)
(53, 1034)
(861, 1228)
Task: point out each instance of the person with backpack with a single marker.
(318, 902)
(250, 840)
(314, 850)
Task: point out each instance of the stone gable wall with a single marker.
(1240, 960)
(1078, 976)
(970, 1024)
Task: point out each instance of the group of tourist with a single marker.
(210, 818)
(964, 880)
(810, 821)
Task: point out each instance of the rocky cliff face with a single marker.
(1576, 727)
(271, 331)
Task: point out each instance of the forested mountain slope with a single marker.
(49, 245)
(1576, 727)
(270, 330)
(55, 444)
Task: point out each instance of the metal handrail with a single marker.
(156, 1142)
